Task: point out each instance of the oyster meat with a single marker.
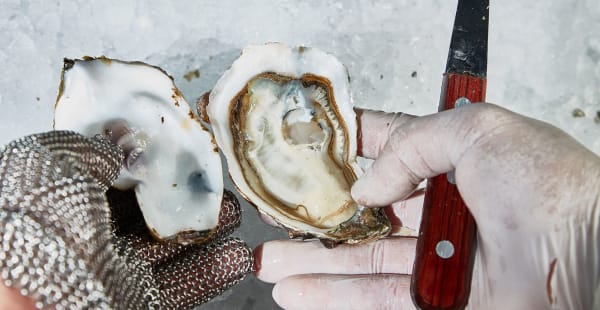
(283, 118)
(170, 158)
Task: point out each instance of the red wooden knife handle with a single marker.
(448, 234)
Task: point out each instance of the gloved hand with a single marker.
(533, 190)
(62, 245)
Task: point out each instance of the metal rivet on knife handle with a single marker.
(444, 249)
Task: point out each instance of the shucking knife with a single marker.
(448, 234)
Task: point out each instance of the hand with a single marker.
(65, 247)
(533, 190)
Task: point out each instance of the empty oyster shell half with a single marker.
(284, 120)
(170, 158)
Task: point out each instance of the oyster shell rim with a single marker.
(185, 236)
(329, 237)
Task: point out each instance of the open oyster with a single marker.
(169, 157)
(283, 118)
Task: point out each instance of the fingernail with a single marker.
(276, 294)
(287, 295)
(258, 253)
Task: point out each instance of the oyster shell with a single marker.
(171, 159)
(284, 120)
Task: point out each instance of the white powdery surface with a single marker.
(544, 59)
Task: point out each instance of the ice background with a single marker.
(544, 60)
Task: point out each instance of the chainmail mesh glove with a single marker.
(64, 245)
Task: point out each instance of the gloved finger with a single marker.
(203, 272)
(375, 129)
(76, 153)
(405, 215)
(189, 275)
(421, 148)
(279, 259)
(326, 291)
(50, 156)
(128, 218)
(230, 217)
(186, 274)
(131, 232)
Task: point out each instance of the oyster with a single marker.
(284, 120)
(170, 158)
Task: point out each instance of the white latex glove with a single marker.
(533, 190)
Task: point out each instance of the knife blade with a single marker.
(447, 240)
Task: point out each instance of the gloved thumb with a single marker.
(414, 149)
